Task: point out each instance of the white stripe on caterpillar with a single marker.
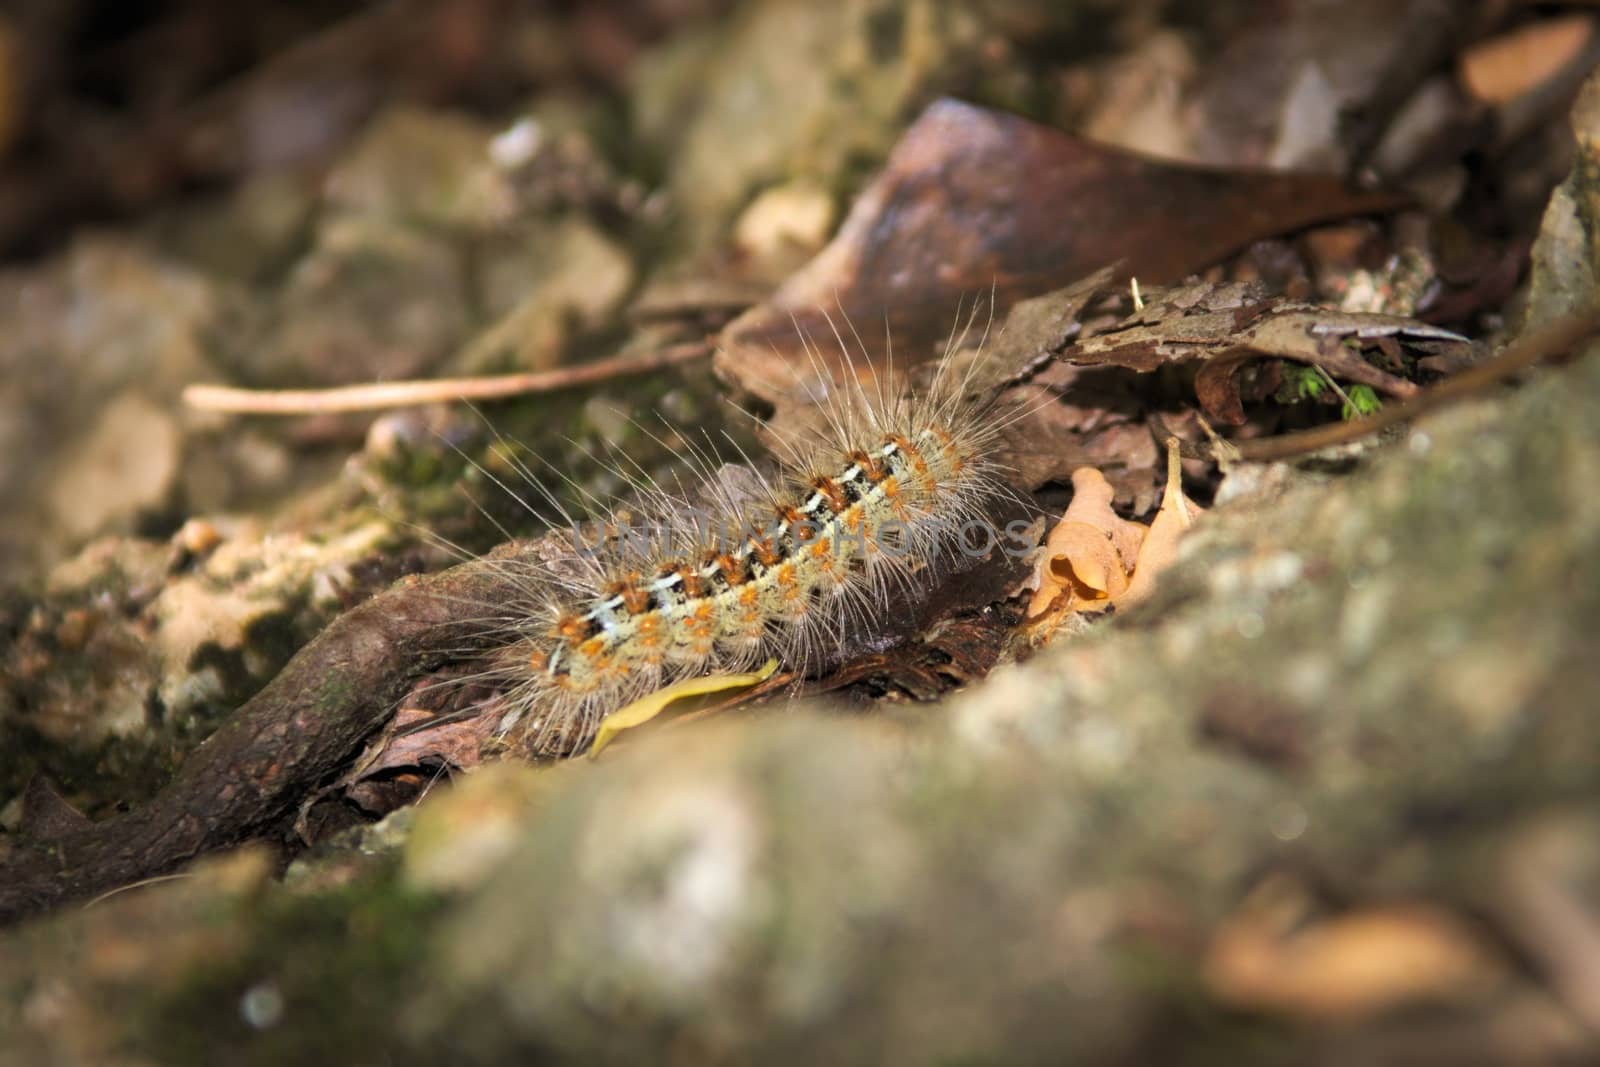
(720, 581)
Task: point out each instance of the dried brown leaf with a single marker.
(1160, 546)
(973, 202)
(1094, 559)
(1223, 326)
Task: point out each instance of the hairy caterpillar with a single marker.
(730, 572)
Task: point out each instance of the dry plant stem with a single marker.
(1529, 350)
(300, 730)
(442, 390)
(1338, 389)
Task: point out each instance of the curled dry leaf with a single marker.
(1332, 340)
(419, 738)
(1220, 327)
(1200, 320)
(415, 749)
(1094, 559)
(1087, 558)
(1092, 348)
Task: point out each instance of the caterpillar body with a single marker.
(858, 519)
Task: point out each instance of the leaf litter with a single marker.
(978, 211)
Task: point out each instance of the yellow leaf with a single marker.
(648, 707)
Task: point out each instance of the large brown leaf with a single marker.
(974, 202)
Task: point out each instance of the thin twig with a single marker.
(1337, 388)
(381, 395)
(141, 883)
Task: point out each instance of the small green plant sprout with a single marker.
(1360, 401)
(1308, 383)
(1300, 383)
